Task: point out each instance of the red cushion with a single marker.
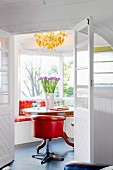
(48, 127)
(22, 118)
(48, 118)
(25, 104)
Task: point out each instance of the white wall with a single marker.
(103, 131)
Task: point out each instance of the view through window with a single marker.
(32, 67)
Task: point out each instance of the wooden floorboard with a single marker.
(23, 156)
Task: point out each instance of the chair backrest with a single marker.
(48, 126)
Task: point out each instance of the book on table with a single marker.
(59, 108)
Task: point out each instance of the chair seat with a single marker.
(48, 127)
(48, 118)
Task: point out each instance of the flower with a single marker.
(49, 83)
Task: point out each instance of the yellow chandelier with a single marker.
(50, 40)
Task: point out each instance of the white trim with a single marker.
(90, 101)
(81, 25)
(83, 43)
(62, 77)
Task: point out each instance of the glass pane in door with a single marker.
(82, 69)
(4, 73)
(4, 42)
(103, 63)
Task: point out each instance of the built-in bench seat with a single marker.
(22, 118)
(24, 104)
(23, 124)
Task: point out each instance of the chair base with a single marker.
(47, 157)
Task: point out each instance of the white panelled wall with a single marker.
(103, 125)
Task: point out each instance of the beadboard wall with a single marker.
(103, 125)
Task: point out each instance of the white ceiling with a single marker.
(23, 16)
(13, 2)
(29, 16)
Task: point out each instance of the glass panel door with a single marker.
(83, 89)
(6, 99)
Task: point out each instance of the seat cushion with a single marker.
(48, 118)
(48, 127)
(22, 118)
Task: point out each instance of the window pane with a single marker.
(3, 82)
(82, 59)
(103, 62)
(82, 77)
(82, 101)
(103, 56)
(68, 76)
(33, 67)
(103, 67)
(103, 79)
(4, 42)
(82, 96)
(4, 98)
(4, 60)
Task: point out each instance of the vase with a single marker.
(49, 99)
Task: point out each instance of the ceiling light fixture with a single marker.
(50, 40)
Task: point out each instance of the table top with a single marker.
(44, 110)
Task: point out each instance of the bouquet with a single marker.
(49, 83)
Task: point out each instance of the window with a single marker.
(31, 67)
(68, 76)
(103, 68)
(103, 63)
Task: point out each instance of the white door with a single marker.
(84, 91)
(6, 99)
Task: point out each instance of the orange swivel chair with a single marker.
(47, 127)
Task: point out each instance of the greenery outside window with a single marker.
(68, 76)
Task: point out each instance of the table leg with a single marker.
(41, 145)
(66, 138)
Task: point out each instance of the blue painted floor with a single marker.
(24, 161)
